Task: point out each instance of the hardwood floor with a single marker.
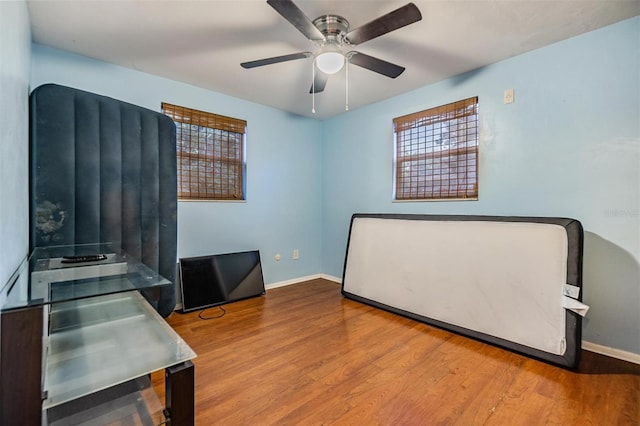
(304, 355)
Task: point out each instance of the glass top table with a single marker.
(100, 331)
(64, 273)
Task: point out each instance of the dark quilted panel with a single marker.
(103, 170)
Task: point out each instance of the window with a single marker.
(210, 154)
(436, 153)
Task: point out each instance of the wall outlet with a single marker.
(508, 96)
(296, 254)
(278, 257)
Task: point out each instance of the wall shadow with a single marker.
(611, 286)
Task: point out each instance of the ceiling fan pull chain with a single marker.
(313, 86)
(346, 85)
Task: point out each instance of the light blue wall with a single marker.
(15, 52)
(283, 209)
(569, 146)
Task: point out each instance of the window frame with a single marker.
(446, 113)
(213, 159)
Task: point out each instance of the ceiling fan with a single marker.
(333, 38)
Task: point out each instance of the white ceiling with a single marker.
(203, 42)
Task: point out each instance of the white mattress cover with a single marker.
(503, 279)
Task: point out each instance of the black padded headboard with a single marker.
(102, 170)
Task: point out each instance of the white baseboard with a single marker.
(331, 278)
(611, 352)
(303, 279)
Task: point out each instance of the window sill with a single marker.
(420, 200)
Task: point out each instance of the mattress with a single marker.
(511, 281)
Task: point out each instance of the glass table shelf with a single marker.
(46, 277)
(104, 341)
(137, 404)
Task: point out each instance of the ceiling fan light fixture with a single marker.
(330, 62)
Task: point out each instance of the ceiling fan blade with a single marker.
(375, 64)
(407, 14)
(297, 18)
(319, 82)
(275, 60)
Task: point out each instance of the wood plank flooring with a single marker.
(304, 355)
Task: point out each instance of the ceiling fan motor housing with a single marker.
(333, 27)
